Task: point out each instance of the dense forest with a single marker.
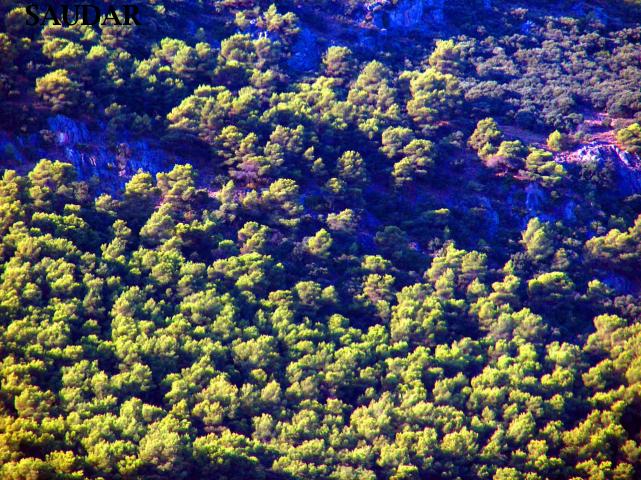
(401, 239)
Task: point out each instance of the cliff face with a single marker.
(89, 151)
(408, 14)
(625, 166)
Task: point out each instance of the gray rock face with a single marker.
(600, 15)
(115, 167)
(627, 166)
(408, 14)
(68, 131)
(592, 12)
(89, 152)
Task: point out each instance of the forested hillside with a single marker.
(347, 240)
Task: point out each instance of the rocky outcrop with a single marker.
(116, 165)
(67, 131)
(407, 14)
(626, 172)
(589, 11)
(89, 151)
(626, 166)
(92, 154)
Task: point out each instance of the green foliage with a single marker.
(394, 140)
(510, 154)
(446, 57)
(339, 64)
(617, 249)
(175, 351)
(172, 67)
(417, 161)
(341, 292)
(486, 138)
(351, 168)
(209, 110)
(559, 142)
(60, 92)
(319, 244)
(435, 96)
(536, 240)
(552, 287)
(543, 168)
(374, 99)
(630, 138)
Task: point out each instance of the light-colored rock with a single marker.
(68, 131)
(408, 14)
(89, 151)
(627, 166)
